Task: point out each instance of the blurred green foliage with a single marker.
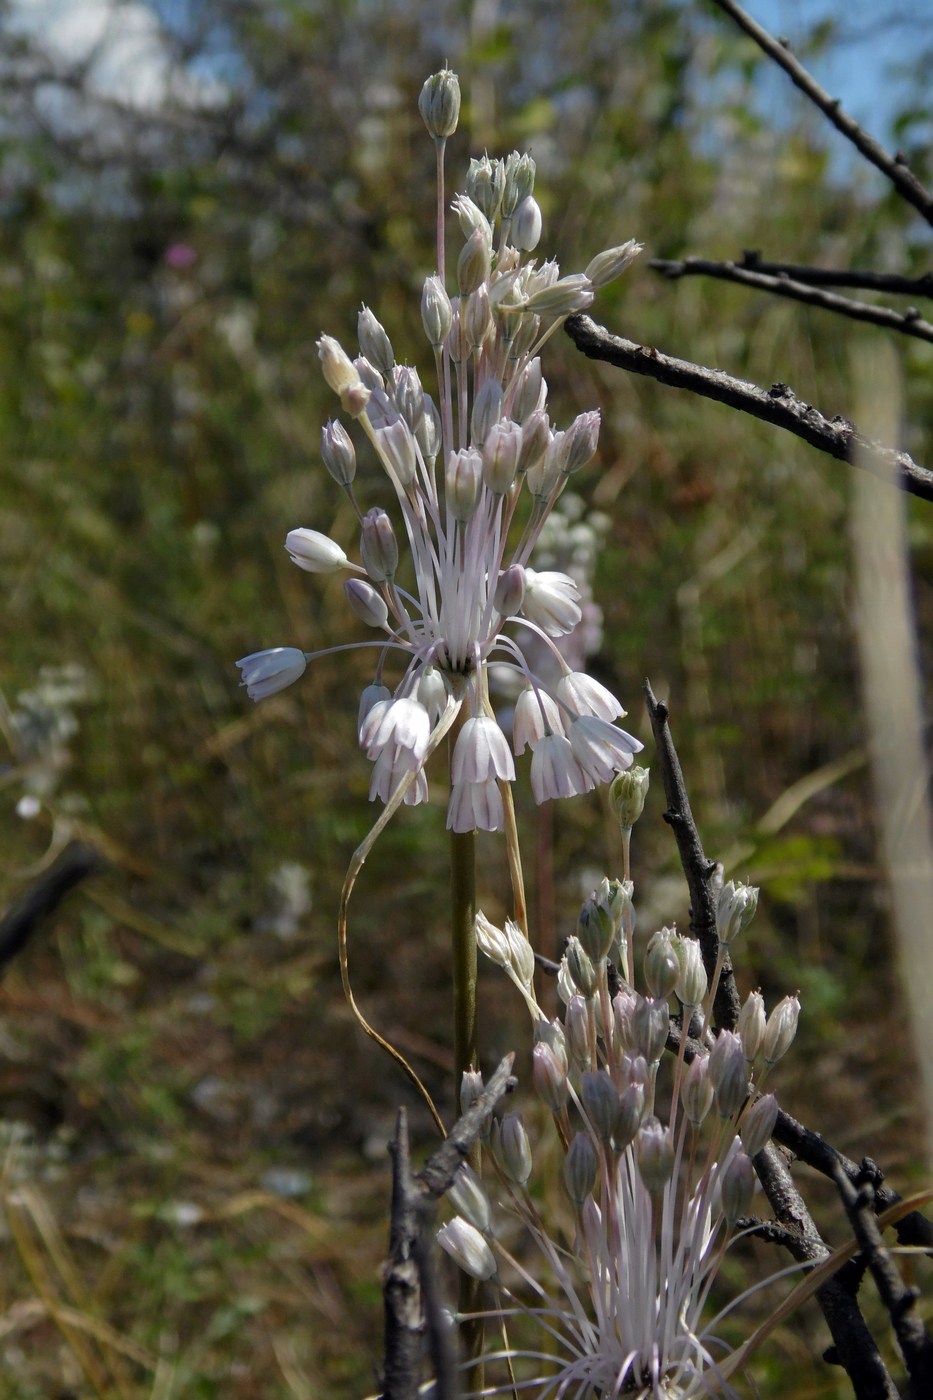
(165, 272)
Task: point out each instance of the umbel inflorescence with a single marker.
(476, 470)
(657, 1171)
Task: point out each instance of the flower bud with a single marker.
(631, 1112)
(544, 476)
(780, 1030)
(476, 317)
(551, 1033)
(758, 1123)
(736, 1187)
(485, 183)
(627, 794)
(409, 395)
(579, 442)
(474, 263)
(662, 966)
(696, 1090)
(561, 298)
(369, 606)
(374, 342)
(652, 1021)
(692, 982)
(439, 103)
(339, 370)
(457, 349)
(536, 439)
(751, 1026)
(435, 311)
(655, 1151)
(549, 1076)
(374, 694)
(580, 1167)
(267, 672)
(500, 456)
(487, 410)
(469, 1198)
(623, 1015)
(526, 224)
(595, 929)
(513, 1149)
(491, 940)
(528, 397)
(510, 591)
(576, 1030)
(470, 217)
(314, 552)
(398, 447)
(606, 266)
(581, 968)
(338, 452)
(735, 910)
(466, 1246)
(378, 546)
(727, 1072)
(428, 433)
(432, 691)
(600, 1102)
(463, 480)
(521, 953)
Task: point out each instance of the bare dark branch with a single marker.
(853, 1345)
(410, 1300)
(697, 869)
(913, 1340)
(894, 167)
(778, 405)
(907, 322)
(866, 279)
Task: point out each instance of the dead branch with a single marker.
(778, 405)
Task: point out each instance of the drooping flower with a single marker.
(267, 672)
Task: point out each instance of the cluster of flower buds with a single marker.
(475, 471)
(658, 1191)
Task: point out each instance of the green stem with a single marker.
(466, 1057)
(463, 938)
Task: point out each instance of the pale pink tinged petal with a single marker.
(475, 807)
(552, 601)
(555, 771)
(370, 722)
(600, 748)
(404, 723)
(584, 696)
(481, 752)
(529, 725)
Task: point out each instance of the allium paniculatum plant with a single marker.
(618, 1304)
(476, 468)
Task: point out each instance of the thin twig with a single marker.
(907, 322)
(778, 405)
(893, 283)
(697, 869)
(912, 1337)
(894, 168)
